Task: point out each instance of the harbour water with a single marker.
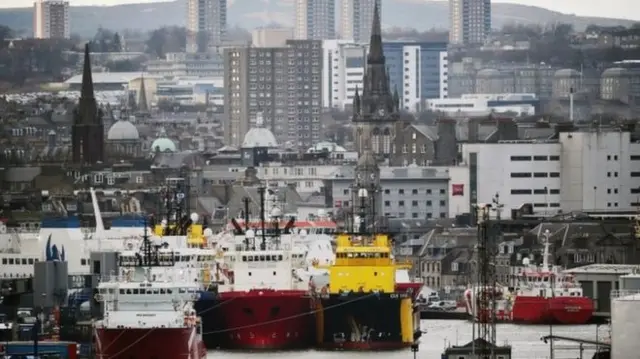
(526, 342)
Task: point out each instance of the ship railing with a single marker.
(625, 294)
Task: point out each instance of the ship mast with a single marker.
(484, 319)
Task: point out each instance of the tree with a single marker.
(117, 43)
(167, 39)
(5, 32)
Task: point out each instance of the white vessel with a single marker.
(148, 311)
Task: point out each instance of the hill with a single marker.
(396, 13)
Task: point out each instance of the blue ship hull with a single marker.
(206, 308)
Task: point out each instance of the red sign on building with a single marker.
(457, 190)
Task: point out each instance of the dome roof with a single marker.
(123, 131)
(163, 145)
(259, 136)
(614, 72)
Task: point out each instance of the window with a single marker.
(443, 203)
(520, 174)
(539, 158)
(554, 174)
(443, 215)
(401, 203)
(554, 191)
(387, 203)
(414, 203)
(443, 191)
(540, 174)
(520, 191)
(138, 179)
(111, 181)
(414, 191)
(520, 158)
(540, 191)
(554, 158)
(454, 266)
(428, 203)
(400, 191)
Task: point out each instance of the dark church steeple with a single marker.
(375, 110)
(87, 132)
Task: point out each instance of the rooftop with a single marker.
(109, 77)
(605, 269)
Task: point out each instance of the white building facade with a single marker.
(590, 170)
(51, 19)
(518, 172)
(601, 170)
(484, 104)
(343, 68)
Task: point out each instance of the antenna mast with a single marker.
(484, 320)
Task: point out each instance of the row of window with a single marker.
(414, 203)
(535, 174)
(402, 191)
(415, 215)
(19, 261)
(535, 158)
(535, 191)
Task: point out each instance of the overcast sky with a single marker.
(624, 9)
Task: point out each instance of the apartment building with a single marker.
(206, 24)
(284, 84)
(51, 19)
(469, 21)
(315, 19)
(356, 17)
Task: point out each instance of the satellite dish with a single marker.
(194, 217)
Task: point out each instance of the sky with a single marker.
(624, 9)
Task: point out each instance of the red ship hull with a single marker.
(557, 310)
(160, 343)
(266, 320)
(410, 288)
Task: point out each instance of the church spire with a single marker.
(87, 81)
(376, 55)
(142, 99)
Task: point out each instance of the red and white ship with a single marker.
(149, 314)
(263, 304)
(543, 295)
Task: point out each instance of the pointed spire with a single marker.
(356, 101)
(87, 80)
(142, 99)
(396, 98)
(376, 56)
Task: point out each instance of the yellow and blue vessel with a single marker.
(361, 307)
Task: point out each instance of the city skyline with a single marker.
(622, 9)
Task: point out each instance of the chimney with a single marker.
(52, 139)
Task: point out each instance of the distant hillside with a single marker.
(396, 13)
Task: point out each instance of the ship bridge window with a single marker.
(162, 291)
(129, 291)
(135, 291)
(182, 290)
(31, 261)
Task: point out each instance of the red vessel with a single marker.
(266, 319)
(148, 311)
(161, 343)
(262, 302)
(542, 295)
